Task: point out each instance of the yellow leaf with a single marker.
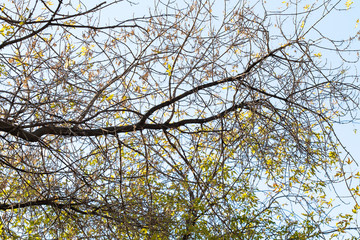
(306, 7)
(78, 7)
(318, 55)
(285, 2)
(332, 154)
(348, 4)
(39, 19)
(110, 97)
(83, 51)
(169, 69)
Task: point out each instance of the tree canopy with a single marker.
(175, 120)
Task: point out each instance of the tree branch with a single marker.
(17, 130)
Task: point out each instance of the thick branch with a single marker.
(239, 77)
(17, 130)
(64, 131)
(35, 136)
(48, 202)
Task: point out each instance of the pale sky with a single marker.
(337, 25)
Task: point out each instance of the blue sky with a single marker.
(342, 24)
(337, 25)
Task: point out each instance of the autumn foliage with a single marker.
(185, 120)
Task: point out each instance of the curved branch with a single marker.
(17, 130)
(6, 43)
(211, 84)
(35, 136)
(48, 202)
